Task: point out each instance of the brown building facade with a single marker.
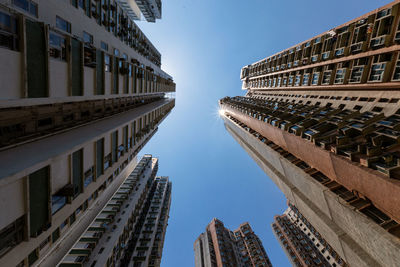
(219, 246)
(322, 120)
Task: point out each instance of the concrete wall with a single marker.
(89, 81)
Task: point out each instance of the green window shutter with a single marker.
(134, 86)
(77, 171)
(99, 157)
(114, 146)
(36, 59)
(126, 138)
(100, 72)
(115, 74)
(77, 68)
(126, 89)
(39, 192)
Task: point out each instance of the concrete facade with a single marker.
(93, 57)
(111, 238)
(83, 91)
(58, 157)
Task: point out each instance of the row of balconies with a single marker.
(21, 124)
(368, 138)
(114, 19)
(58, 43)
(369, 33)
(374, 69)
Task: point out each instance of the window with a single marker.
(377, 71)
(57, 46)
(81, 4)
(356, 74)
(78, 210)
(8, 31)
(44, 243)
(114, 146)
(396, 74)
(57, 202)
(77, 171)
(32, 257)
(63, 24)
(107, 161)
(104, 46)
(126, 137)
(107, 63)
(12, 235)
(297, 80)
(72, 218)
(306, 78)
(88, 176)
(29, 6)
(89, 51)
(315, 78)
(65, 223)
(326, 78)
(99, 157)
(87, 38)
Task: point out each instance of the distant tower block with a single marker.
(219, 246)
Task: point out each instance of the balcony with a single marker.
(326, 55)
(378, 42)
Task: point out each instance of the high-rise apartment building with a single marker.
(303, 245)
(82, 93)
(219, 246)
(130, 229)
(322, 120)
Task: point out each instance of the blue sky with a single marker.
(204, 44)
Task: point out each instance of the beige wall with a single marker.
(11, 86)
(12, 202)
(89, 81)
(60, 171)
(58, 78)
